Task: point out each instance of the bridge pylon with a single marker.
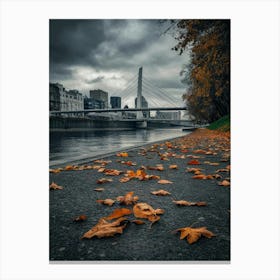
(139, 95)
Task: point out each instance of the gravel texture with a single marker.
(140, 242)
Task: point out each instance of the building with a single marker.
(101, 96)
(63, 100)
(116, 102)
(144, 104)
(91, 103)
(168, 115)
(54, 98)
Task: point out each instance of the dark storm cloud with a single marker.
(96, 80)
(72, 41)
(107, 53)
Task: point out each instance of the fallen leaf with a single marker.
(193, 162)
(194, 170)
(118, 212)
(144, 210)
(69, 167)
(122, 154)
(106, 229)
(102, 161)
(173, 166)
(188, 203)
(106, 201)
(161, 192)
(112, 172)
(124, 179)
(222, 170)
(99, 189)
(55, 170)
(128, 198)
(54, 186)
(158, 167)
(80, 218)
(164, 182)
(103, 180)
(100, 170)
(128, 163)
(224, 183)
(199, 177)
(193, 234)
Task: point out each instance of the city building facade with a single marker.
(116, 102)
(63, 100)
(168, 115)
(101, 96)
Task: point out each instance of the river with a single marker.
(75, 146)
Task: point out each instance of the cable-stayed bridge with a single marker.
(140, 97)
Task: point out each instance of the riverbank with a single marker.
(143, 242)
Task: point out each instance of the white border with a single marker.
(255, 138)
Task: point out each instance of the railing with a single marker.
(119, 110)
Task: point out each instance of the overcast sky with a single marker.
(106, 54)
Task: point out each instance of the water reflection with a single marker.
(70, 146)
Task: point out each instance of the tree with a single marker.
(208, 96)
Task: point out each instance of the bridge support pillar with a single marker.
(141, 124)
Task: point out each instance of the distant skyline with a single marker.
(106, 54)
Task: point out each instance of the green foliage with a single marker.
(223, 124)
(208, 96)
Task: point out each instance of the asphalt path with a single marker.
(140, 242)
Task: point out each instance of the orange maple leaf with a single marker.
(193, 234)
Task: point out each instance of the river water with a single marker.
(75, 146)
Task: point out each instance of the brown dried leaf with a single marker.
(102, 161)
(103, 180)
(54, 186)
(199, 177)
(224, 183)
(118, 212)
(69, 167)
(161, 192)
(122, 154)
(164, 182)
(80, 218)
(144, 210)
(128, 198)
(193, 162)
(112, 172)
(128, 163)
(158, 167)
(99, 189)
(188, 203)
(193, 234)
(106, 201)
(106, 229)
(124, 179)
(173, 166)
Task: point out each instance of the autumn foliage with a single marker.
(208, 75)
